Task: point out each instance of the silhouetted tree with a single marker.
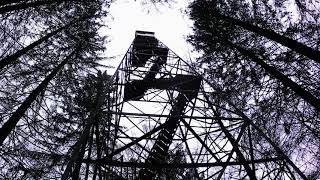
(37, 120)
(13, 57)
(90, 103)
(264, 80)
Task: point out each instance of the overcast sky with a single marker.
(170, 25)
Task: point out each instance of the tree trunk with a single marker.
(287, 42)
(12, 5)
(89, 154)
(77, 154)
(25, 5)
(285, 80)
(7, 2)
(13, 58)
(16, 116)
(76, 171)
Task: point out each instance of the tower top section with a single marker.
(144, 33)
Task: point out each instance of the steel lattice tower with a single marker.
(163, 118)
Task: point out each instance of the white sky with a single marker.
(170, 25)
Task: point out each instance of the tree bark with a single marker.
(8, 126)
(13, 58)
(287, 42)
(285, 80)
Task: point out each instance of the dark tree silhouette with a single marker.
(16, 116)
(40, 81)
(8, 6)
(264, 80)
(215, 38)
(13, 58)
(307, 96)
(281, 39)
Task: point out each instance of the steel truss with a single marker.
(163, 118)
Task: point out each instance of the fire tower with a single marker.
(168, 122)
